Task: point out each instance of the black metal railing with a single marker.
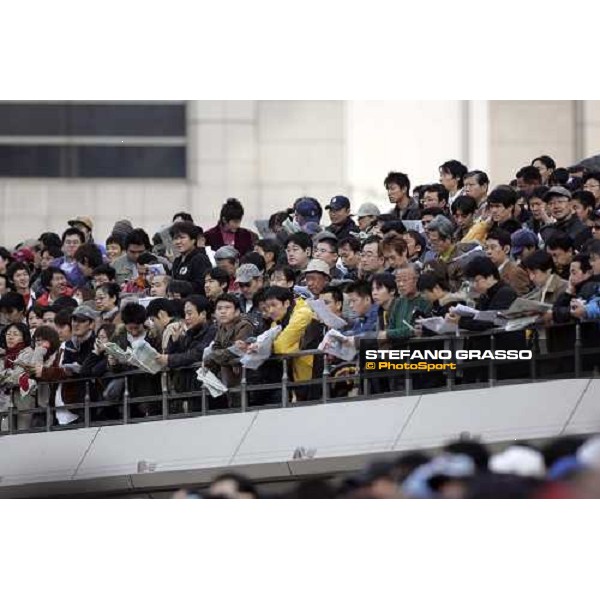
(579, 354)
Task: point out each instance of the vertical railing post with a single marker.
(48, 407)
(407, 380)
(450, 373)
(164, 387)
(492, 364)
(284, 384)
(86, 404)
(578, 349)
(324, 379)
(11, 413)
(126, 402)
(533, 362)
(243, 390)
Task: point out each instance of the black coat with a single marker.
(192, 268)
(343, 230)
(186, 351)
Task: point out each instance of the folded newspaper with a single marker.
(263, 348)
(522, 307)
(493, 316)
(212, 383)
(325, 315)
(143, 356)
(337, 344)
(438, 325)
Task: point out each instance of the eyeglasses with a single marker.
(596, 226)
(591, 186)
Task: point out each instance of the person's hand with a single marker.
(252, 348)
(452, 317)
(547, 318)
(98, 347)
(163, 359)
(37, 370)
(418, 331)
(177, 331)
(578, 309)
(112, 361)
(241, 345)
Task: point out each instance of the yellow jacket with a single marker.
(478, 232)
(289, 340)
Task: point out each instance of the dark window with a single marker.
(31, 161)
(132, 161)
(96, 156)
(92, 119)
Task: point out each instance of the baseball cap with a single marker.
(519, 460)
(556, 190)
(226, 252)
(316, 265)
(564, 468)
(246, 273)
(337, 203)
(309, 208)
(324, 235)
(522, 238)
(84, 313)
(425, 480)
(589, 453)
(83, 220)
(368, 209)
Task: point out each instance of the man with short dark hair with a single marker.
(165, 319)
(54, 282)
(476, 185)
(560, 247)
(372, 260)
(452, 174)
(436, 196)
(497, 247)
(12, 307)
(591, 183)
(538, 209)
(405, 207)
(192, 262)
(103, 274)
(72, 238)
(216, 283)
(232, 327)
(527, 179)
(136, 243)
(298, 250)
(326, 249)
(349, 250)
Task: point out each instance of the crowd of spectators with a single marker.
(194, 294)
(465, 468)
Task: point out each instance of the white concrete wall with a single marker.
(520, 130)
(591, 128)
(414, 137)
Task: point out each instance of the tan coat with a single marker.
(516, 277)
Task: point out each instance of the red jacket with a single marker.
(244, 239)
